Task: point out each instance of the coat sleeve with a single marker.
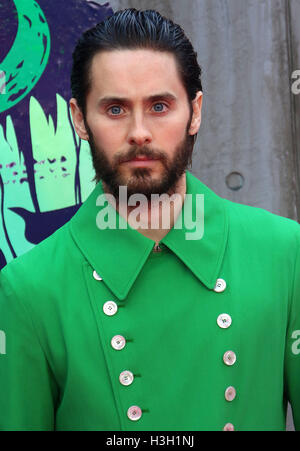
(292, 351)
(28, 389)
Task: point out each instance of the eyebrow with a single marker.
(123, 100)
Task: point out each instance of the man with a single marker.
(115, 324)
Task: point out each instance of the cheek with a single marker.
(172, 135)
(173, 127)
(106, 136)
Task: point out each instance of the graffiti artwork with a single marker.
(46, 171)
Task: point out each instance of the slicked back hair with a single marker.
(132, 29)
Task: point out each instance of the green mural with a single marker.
(46, 171)
(28, 57)
(55, 169)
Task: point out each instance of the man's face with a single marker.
(138, 121)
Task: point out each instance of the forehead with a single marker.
(135, 73)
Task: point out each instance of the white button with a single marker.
(230, 393)
(118, 342)
(228, 427)
(110, 308)
(126, 377)
(96, 276)
(220, 286)
(134, 413)
(229, 358)
(224, 320)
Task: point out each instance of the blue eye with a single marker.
(159, 104)
(115, 110)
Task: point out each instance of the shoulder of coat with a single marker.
(41, 264)
(262, 224)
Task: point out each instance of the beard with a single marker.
(140, 179)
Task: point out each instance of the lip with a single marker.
(141, 161)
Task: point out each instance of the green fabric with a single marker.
(59, 370)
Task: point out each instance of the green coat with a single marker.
(58, 366)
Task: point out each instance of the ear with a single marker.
(196, 118)
(78, 120)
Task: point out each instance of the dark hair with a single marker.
(134, 29)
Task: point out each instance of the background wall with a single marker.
(248, 51)
(248, 145)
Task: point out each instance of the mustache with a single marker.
(136, 152)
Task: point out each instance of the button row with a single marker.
(126, 377)
(224, 321)
(229, 359)
(118, 342)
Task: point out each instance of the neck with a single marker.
(156, 218)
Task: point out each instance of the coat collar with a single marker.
(118, 255)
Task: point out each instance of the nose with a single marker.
(139, 134)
